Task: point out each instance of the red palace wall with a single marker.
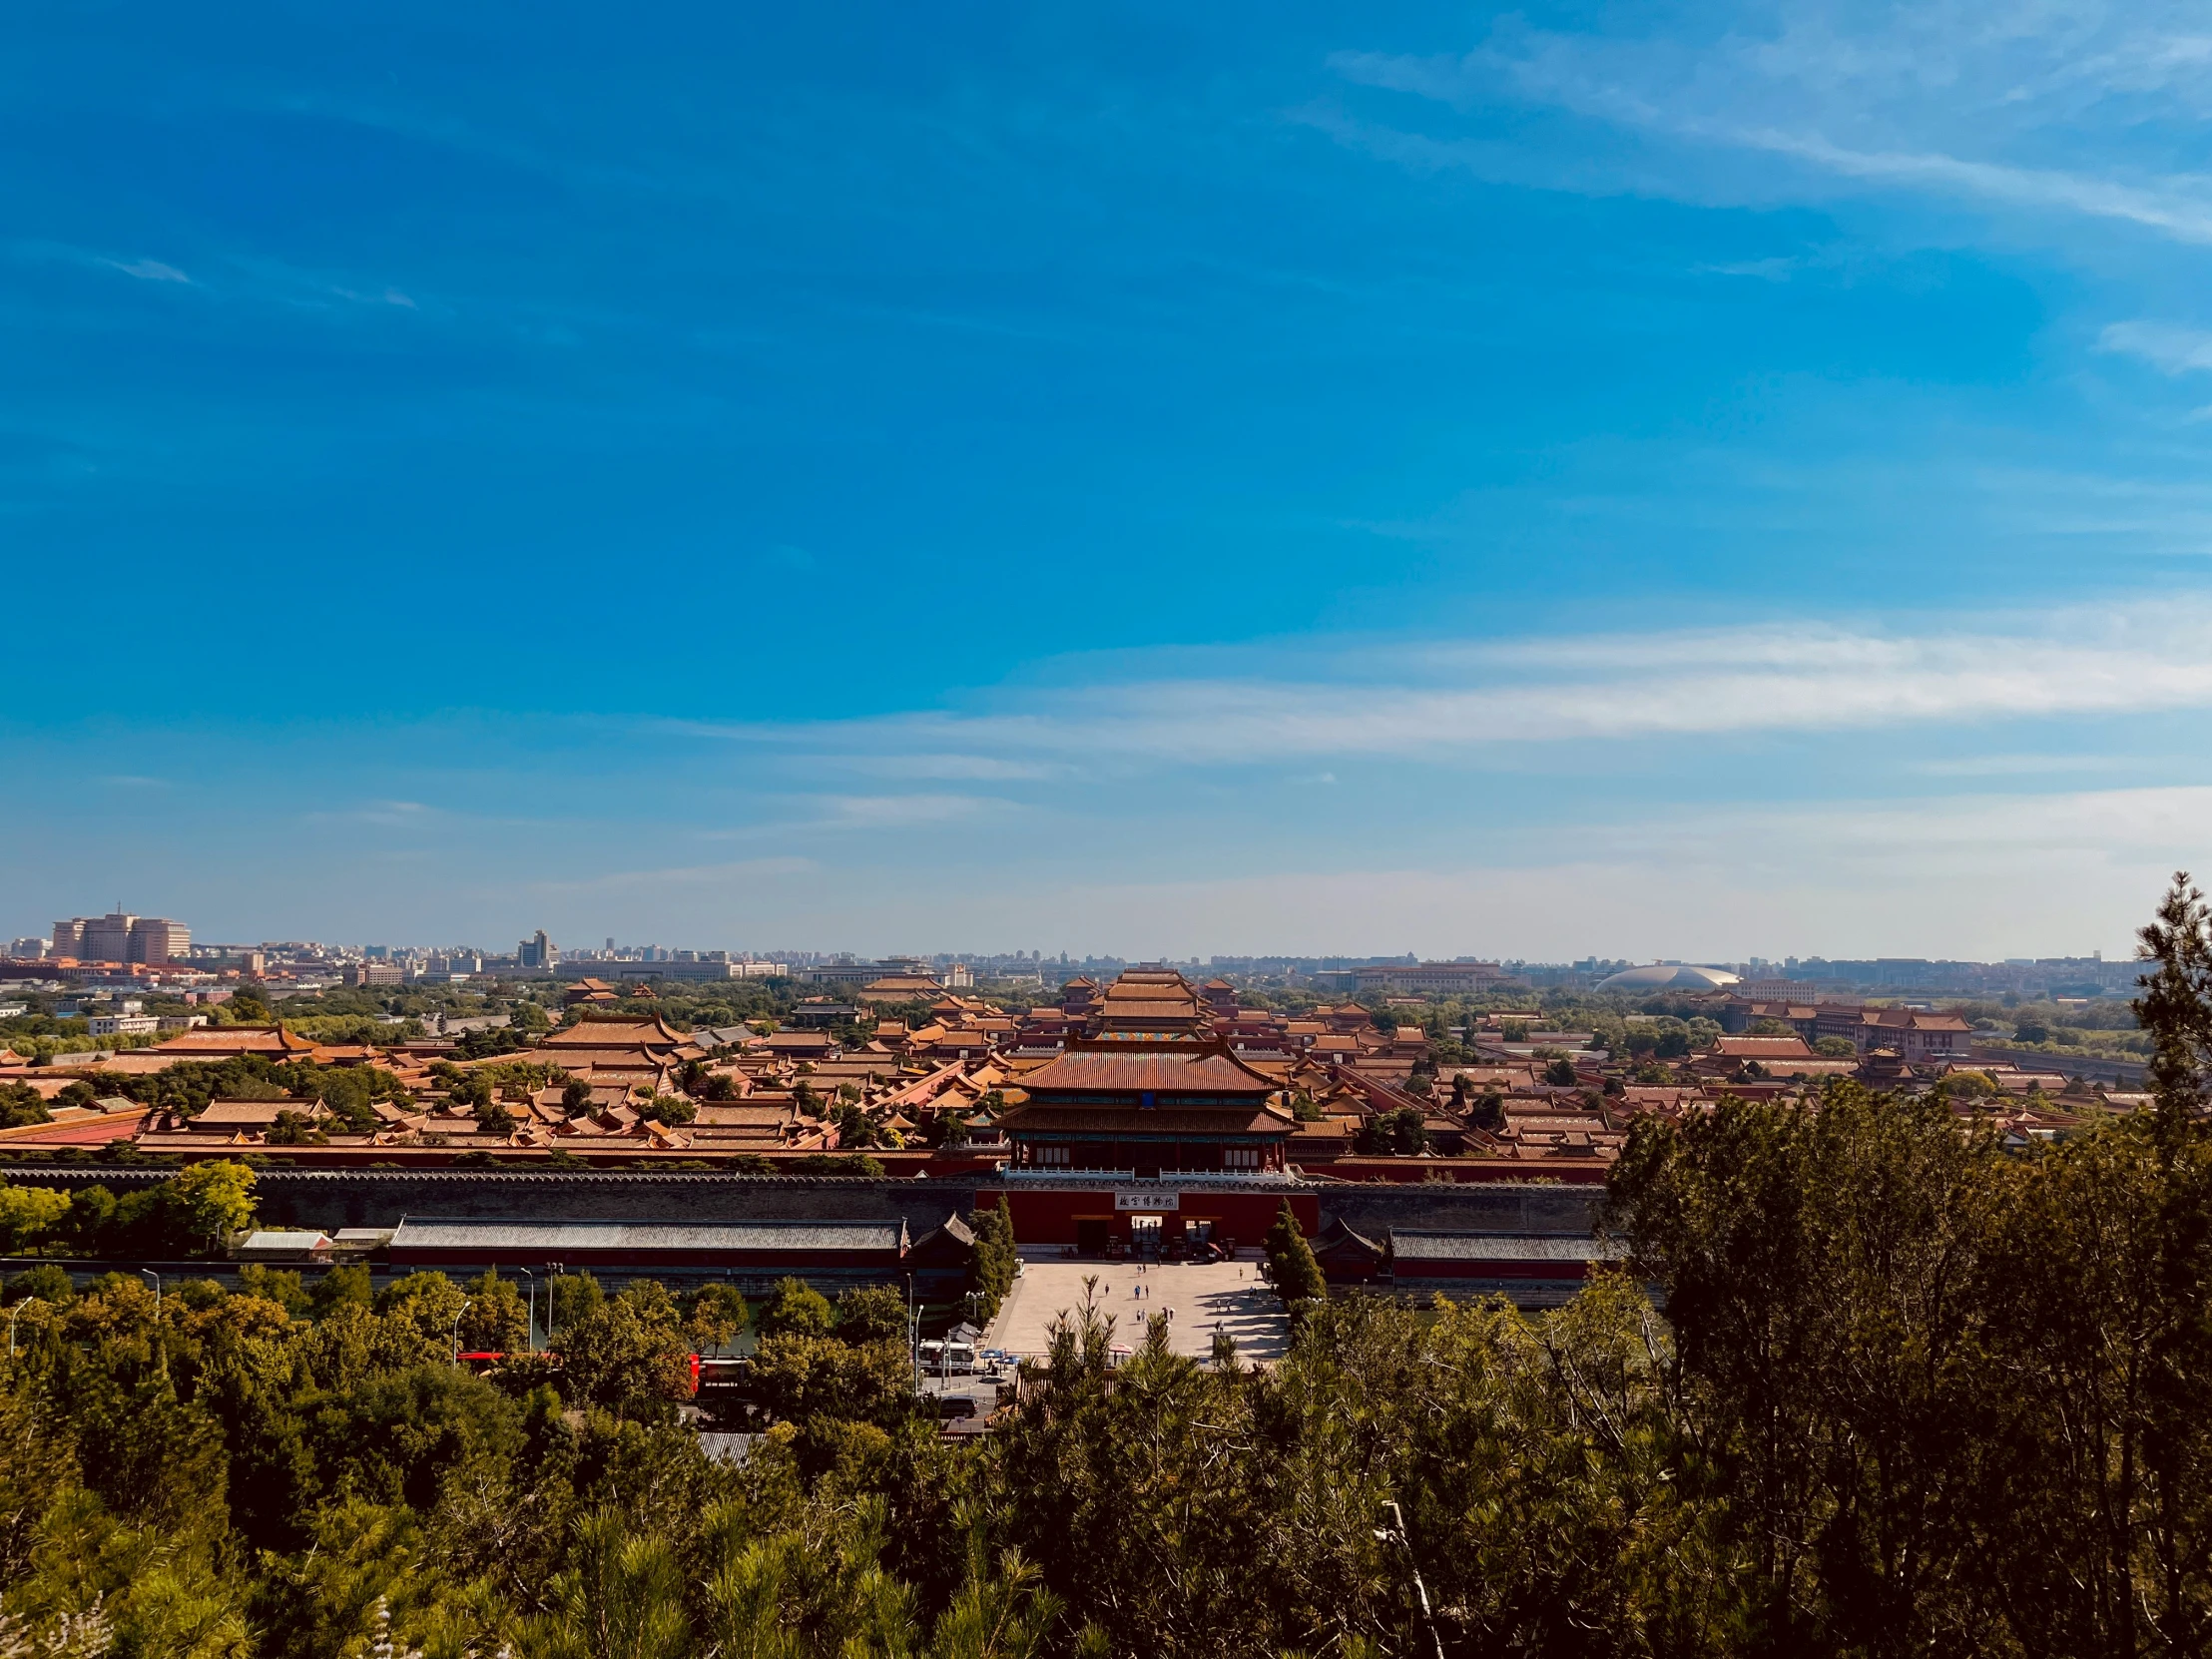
(1048, 1216)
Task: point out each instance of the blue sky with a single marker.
(1693, 480)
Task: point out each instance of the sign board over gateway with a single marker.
(1146, 1202)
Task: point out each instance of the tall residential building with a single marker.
(69, 937)
(157, 940)
(108, 938)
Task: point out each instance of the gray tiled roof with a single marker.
(1494, 1247)
(556, 1236)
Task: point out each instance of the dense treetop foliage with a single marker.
(1910, 1395)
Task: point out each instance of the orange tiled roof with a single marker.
(225, 1041)
(596, 1030)
(1195, 1071)
(1761, 1048)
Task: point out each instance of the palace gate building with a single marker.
(1144, 1138)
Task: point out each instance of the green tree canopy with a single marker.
(630, 1356)
(796, 1309)
(714, 1316)
(21, 1105)
(877, 1314)
(208, 1202)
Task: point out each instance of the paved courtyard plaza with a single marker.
(1226, 1295)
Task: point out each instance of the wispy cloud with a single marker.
(685, 876)
(2179, 207)
(1451, 699)
(2027, 765)
(1778, 269)
(402, 813)
(1952, 835)
(236, 279)
(2166, 346)
(147, 271)
(1709, 882)
(390, 297)
(952, 768)
(1945, 100)
(904, 812)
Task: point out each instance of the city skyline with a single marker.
(124, 931)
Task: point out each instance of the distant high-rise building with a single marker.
(108, 938)
(119, 937)
(155, 941)
(538, 951)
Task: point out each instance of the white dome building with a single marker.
(1663, 977)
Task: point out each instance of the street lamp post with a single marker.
(12, 1318)
(530, 1336)
(466, 1305)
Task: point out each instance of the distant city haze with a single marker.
(138, 946)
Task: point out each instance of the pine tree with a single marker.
(1291, 1265)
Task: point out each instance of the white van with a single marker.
(948, 1359)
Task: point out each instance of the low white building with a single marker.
(123, 1025)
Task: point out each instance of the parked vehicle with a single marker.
(948, 1359)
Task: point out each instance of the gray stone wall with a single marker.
(1373, 1207)
(331, 1198)
(382, 1198)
